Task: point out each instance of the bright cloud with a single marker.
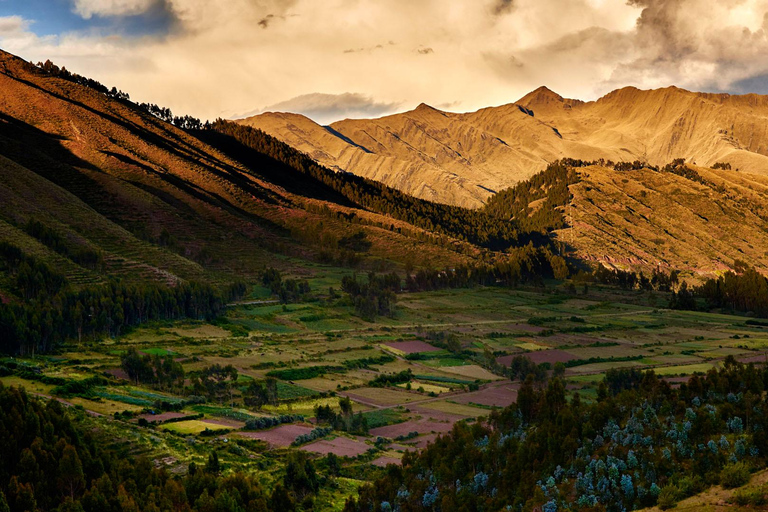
(89, 8)
(223, 58)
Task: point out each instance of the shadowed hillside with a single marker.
(157, 203)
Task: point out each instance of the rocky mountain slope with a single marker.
(463, 159)
(155, 201)
(699, 221)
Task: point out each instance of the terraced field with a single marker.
(434, 385)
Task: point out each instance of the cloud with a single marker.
(326, 108)
(13, 25)
(503, 6)
(89, 8)
(448, 105)
(226, 57)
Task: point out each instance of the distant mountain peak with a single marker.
(424, 108)
(540, 95)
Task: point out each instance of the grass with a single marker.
(191, 427)
(446, 361)
(132, 400)
(158, 351)
(223, 412)
(384, 417)
(455, 408)
(288, 391)
(427, 388)
(386, 396)
(685, 369)
(304, 407)
(293, 338)
(32, 386)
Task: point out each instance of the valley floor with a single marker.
(456, 346)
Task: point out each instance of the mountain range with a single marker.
(463, 159)
(162, 203)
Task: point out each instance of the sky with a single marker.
(334, 59)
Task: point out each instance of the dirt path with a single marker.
(66, 403)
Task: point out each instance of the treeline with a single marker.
(162, 372)
(345, 420)
(250, 146)
(83, 256)
(629, 280)
(184, 122)
(528, 264)
(38, 325)
(287, 290)
(643, 443)
(48, 311)
(373, 298)
(54, 70)
(549, 187)
(51, 463)
(746, 291)
(28, 276)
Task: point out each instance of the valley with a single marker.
(447, 355)
(519, 308)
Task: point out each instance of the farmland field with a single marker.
(318, 355)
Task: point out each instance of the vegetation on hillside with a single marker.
(642, 443)
(53, 463)
(250, 146)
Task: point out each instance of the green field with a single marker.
(284, 340)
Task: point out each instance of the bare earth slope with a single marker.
(463, 158)
(644, 219)
(157, 202)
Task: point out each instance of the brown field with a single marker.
(447, 406)
(423, 441)
(381, 396)
(158, 418)
(411, 347)
(755, 358)
(471, 371)
(224, 422)
(424, 425)
(524, 328)
(385, 461)
(118, 373)
(341, 446)
(575, 339)
(435, 415)
(281, 436)
(541, 356)
(202, 331)
(496, 396)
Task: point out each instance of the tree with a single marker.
(281, 500)
(300, 475)
(71, 477)
(256, 395)
(213, 466)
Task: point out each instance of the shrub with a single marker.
(757, 496)
(734, 475)
(668, 497)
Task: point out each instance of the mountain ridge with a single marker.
(461, 158)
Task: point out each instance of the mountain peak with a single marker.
(542, 95)
(423, 107)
